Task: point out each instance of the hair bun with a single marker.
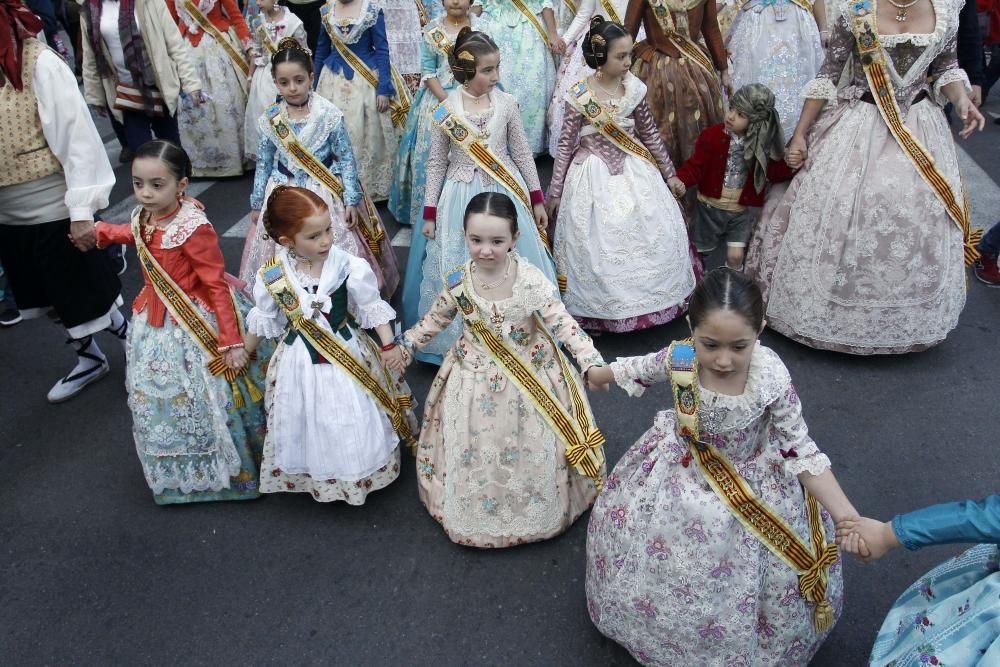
(292, 43)
(462, 34)
(596, 21)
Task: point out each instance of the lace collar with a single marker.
(635, 92)
(943, 26)
(767, 380)
(366, 18)
(313, 131)
(336, 269)
(184, 224)
(531, 288)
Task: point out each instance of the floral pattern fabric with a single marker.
(672, 575)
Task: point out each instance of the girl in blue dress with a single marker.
(406, 198)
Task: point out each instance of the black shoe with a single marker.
(9, 317)
(116, 253)
(127, 155)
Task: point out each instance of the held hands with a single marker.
(552, 207)
(541, 219)
(394, 359)
(599, 378)
(83, 235)
(428, 229)
(867, 538)
(797, 152)
(381, 103)
(677, 187)
(977, 96)
(352, 217)
(236, 358)
(727, 83)
(971, 118)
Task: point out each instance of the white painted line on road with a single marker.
(403, 238)
(240, 229)
(984, 194)
(120, 212)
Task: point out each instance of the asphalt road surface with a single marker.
(92, 572)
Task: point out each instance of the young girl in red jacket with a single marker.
(732, 164)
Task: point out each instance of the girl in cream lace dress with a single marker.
(860, 255)
(620, 239)
(489, 467)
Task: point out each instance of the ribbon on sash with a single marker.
(382, 391)
(662, 12)
(609, 9)
(370, 226)
(238, 60)
(189, 318)
(590, 107)
(399, 104)
(865, 31)
(576, 428)
(812, 564)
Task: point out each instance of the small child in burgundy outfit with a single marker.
(732, 165)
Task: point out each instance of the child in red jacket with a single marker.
(732, 164)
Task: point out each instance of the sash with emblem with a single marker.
(189, 318)
(811, 563)
(257, 23)
(382, 390)
(399, 104)
(223, 40)
(680, 37)
(575, 427)
(590, 107)
(370, 226)
(865, 31)
(436, 35)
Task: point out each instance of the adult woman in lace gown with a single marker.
(860, 255)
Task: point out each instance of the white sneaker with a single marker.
(73, 384)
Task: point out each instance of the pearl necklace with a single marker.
(498, 283)
(901, 8)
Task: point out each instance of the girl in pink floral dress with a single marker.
(672, 574)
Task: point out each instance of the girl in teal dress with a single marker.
(406, 198)
(951, 615)
(528, 70)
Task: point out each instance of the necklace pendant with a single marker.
(496, 319)
(901, 15)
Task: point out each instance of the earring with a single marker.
(600, 74)
(465, 85)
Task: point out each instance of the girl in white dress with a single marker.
(326, 435)
(267, 29)
(620, 237)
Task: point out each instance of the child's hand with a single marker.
(381, 103)
(866, 537)
(428, 230)
(677, 186)
(393, 359)
(556, 44)
(552, 207)
(83, 235)
(352, 216)
(541, 217)
(236, 358)
(797, 152)
(599, 378)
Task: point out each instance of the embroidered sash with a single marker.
(609, 9)
(587, 104)
(530, 15)
(440, 39)
(811, 564)
(382, 390)
(661, 10)
(238, 60)
(189, 318)
(370, 226)
(575, 428)
(571, 6)
(399, 104)
(873, 60)
(265, 38)
(425, 17)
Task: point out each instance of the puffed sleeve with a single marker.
(950, 523)
(341, 143)
(790, 435)
(109, 234)
(265, 319)
(569, 138)
(437, 319)
(636, 374)
(366, 303)
(569, 333)
(71, 135)
(202, 250)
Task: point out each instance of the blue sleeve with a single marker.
(265, 163)
(428, 59)
(340, 142)
(950, 523)
(381, 44)
(323, 47)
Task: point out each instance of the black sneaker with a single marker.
(9, 317)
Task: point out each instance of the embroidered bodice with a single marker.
(761, 431)
(365, 35)
(532, 293)
(188, 250)
(580, 139)
(695, 18)
(506, 139)
(503, 13)
(288, 25)
(319, 298)
(223, 14)
(323, 134)
(915, 62)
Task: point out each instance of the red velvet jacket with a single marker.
(707, 167)
(223, 15)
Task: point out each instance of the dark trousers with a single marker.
(140, 128)
(311, 20)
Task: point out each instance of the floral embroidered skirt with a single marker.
(193, 443)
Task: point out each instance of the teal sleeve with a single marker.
(965, 521)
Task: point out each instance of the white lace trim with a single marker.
(189, 219)
(767, 381)
(820, 89)
(950, 76)
(532, 292)
(374, 314)
(814, 464)
(624, 379)
(261, 324)
(366, 18)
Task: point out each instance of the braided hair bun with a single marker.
(598, 39)
(470, 47)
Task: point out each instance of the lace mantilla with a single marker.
(189, 219)
(356, 26)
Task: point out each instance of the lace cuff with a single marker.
(374, 314)
(950, 76)
(814, 464)
(624, 379)
(260, 324)
(820, 89)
